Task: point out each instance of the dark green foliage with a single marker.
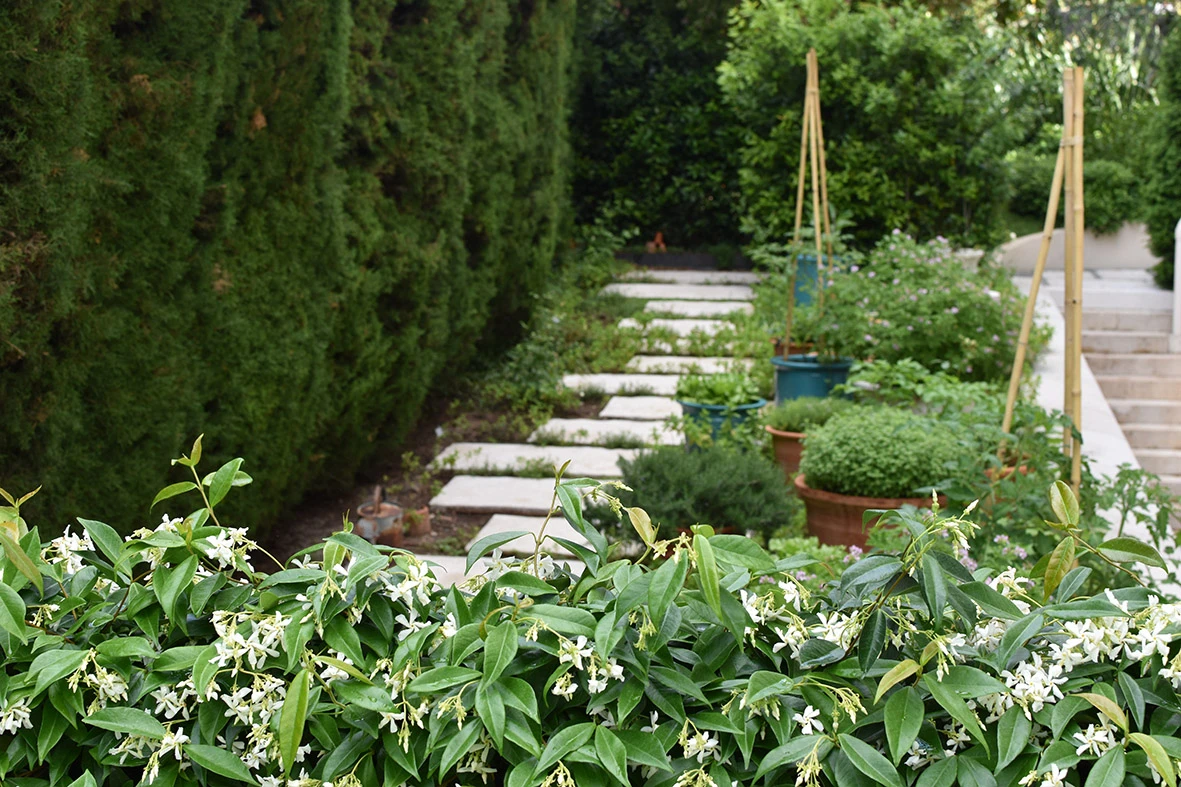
(1163, 203)
(878, 452)
(713, 485)
(278, 222)
(656, 148)
(913, 131)
(1110, 191)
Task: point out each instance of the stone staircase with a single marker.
(1128, 350)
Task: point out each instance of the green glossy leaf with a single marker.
(940, 773)
(903, 720)
(958, 709)
(667, 582)
(1061, 562)
(499, 650)
(12, 613)
(53, 665)
(169, 582)
(489, 543)
(490, 708)
(707, 573)
(223, 479)
(172, 490)
(869, 761)
(105, 539)
(898, 673)
(1131, 550)
(563, 742)
(993, 603)
(22, 561)
(793, 751)
(1064, 503)
(970, 683)
(872, 640)
(219, 761)
(644, 749)
(291, 720)
(1108, 707)
(1109, 769)
(1157, 756)
(934, 586)
(612, 754)
(741, 552)
(1012, 736)
(443, 678)
(130, 721)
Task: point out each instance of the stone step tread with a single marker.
(512, 458)
(699, 308)
(1161, 357)
(682, 292)
(681, 327)
(1161, 428)
(1143, 402)
(524, 545)
(1127, 334)
(664, 276)
(1124, 320)
(488, 494)
(686, 364)
(647, 384)
(640, 408)
(604, 431)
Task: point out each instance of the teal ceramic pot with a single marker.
(804, 375)
(718, 415)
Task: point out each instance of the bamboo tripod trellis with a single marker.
(1068, 172)
(811, 152)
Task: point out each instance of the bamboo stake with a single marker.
(1076, 392)
(1038, 270)
(824, 209)
(814, 95)
(1068, 266)
(791, 280)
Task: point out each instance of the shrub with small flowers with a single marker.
(907, 299)
(166, 658)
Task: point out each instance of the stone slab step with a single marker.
(514, 458)
(524, 545)
(1138, 387)
(606, 432)
(1134, 365)
(1173, 482)
(634, 384)
(640, 408)
(685, 364)
(1113, 295)
(679, 327)
(492, 494)
(1125, 342)
(1146, 411)
(692, 277)
(682, 292)
(1127, 320)
(699, 308)
(1161, 461)
(1153, 436)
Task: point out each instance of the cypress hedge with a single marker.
(279, 222)
(1163, 191)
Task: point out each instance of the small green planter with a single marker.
(805, 375)
(720, 416)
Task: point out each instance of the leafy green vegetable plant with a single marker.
(727, 389)
(166, 658)
(808, 412)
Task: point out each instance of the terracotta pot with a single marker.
(797, 348)
(994, 474)
(375, 519)
(837, 519)
(418, 522)
(788, 450)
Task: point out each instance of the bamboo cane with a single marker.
(791, 280)
(1068, 257)
(1038, 270)
(824, 209)
(1076, 392)
(814, 94)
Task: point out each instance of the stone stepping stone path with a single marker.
(683, 292)
(521, 458)
(699, 308)
(500, 480)
(640, 408)
(683, 364)
(605, 431)
(634, 384)
(682, 328)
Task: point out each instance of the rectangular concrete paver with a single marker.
(699, 308)
(692, 277)
(488, 494)
(640, 408)
(636, 384)
(592, 431)
(685, 364)
(683, 292)
(524, 545)
(513, 458)
(680, 327)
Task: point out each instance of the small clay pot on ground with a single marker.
(418, 522)
(789, 447)
(376, 519)
(836, 519)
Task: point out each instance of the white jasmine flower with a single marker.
(809, 721)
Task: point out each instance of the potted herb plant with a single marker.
(721, 401)
(788, 422)
(869, 459)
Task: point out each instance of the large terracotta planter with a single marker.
(789, 447)
(837, 519)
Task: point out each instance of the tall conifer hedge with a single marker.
(279, 222)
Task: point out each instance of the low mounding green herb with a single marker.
(808, 412)
(728, 389)
(166, 658)
(878, 452)
(714, 485)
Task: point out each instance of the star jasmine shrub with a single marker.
(170, 657)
